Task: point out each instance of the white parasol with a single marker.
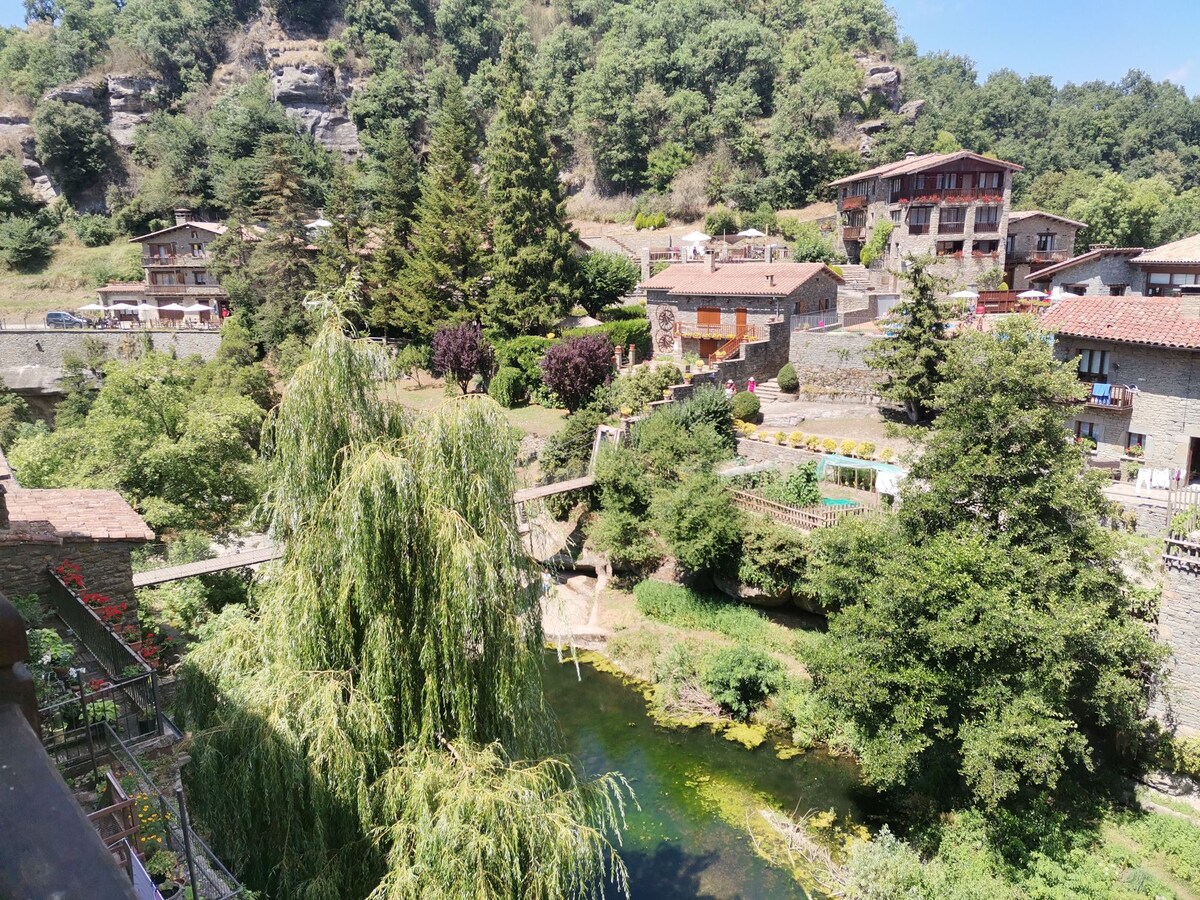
(751, 233)
(197, 308)
(964, 295)
(123, 307)
(171, 307)
(1032, 295)
(695, 237)
(92, 307)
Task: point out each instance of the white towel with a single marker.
(1143, 481)
(1161, 478)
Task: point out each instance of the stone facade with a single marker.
(1165, 409)
(1035, 240)
(105, 566)
(833, 365)
(1098, 274)
(1179, 629)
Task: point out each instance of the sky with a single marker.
(1069, 40)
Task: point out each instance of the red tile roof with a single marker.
(74, 515)
(1046, 273)
(922, 163)
(1023, 214)
(1155, 321)
(737, 279)
(1186, 250)
(122, 287)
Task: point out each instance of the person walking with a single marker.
(729, 389)
(751, 384)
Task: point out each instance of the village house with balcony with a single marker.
(952, 206)
(1035, 240)
(1118, 271)
(738, 315)
(1138, 356)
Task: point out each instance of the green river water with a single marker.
(695, 788)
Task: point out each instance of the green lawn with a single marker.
(67, 282)
(534, 420)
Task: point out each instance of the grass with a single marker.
(535, 420)
(67, 282)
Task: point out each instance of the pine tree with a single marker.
(342, 242)
(533, 267)
(394, 192)
(443, 280)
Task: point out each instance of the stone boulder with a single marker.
(752, 595)
(86, 92)
(131, 101)
(882, 82)
(912, 109)
(871, 126)
(315, 95)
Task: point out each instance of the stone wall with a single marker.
(1098, 274)
(1166, 408)
(762, 359)
(760, 451)
(31, 361)
(1179, 629)
(105, 566)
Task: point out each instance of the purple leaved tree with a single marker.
(576, 367)
(461, 352)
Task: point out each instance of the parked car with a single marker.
(60, 319)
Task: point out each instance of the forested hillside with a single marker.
(267, 113)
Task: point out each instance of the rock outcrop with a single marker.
(124, 101)
(314, 93)
(881, 82)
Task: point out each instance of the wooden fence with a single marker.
(1182, 501)
(806, 518)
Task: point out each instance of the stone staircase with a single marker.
(767, 391)
(858, 279)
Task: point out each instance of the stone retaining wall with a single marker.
(1179, 629)
(105, 567)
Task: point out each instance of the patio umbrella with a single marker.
(142, 307)
(964, 295)
(1032, 295)
(695, 237)
(91, 307)
(123, 307)
(171, 307)
(197, 308)
(751, 233)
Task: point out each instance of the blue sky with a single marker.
(1069, 40)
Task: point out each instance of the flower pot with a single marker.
(171, 889)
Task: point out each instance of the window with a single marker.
(1093, 365)
(896, 214)
(987, 218)
(1087, 430)
(953, 220)
(858, 189)
(1045, 242)
(895, 186)
(197, 250)
(1135, 441)
(1010, 244)
(1117, 290)
(1078, 290)
(201, 277)
(918, 182)
(947, 181)
(1183, 278)
(989, 181)
(1160, 278)
(949, 248)
(985, 247)
(918, 220)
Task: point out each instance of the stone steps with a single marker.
(767, 392)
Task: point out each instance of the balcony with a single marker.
(951, 197)
(854, 233)
(717, 332)
(918, 229)
(185, 290)
(987, 227)
(1115, 397)
(951, 227)
(183, 259)
(1039, 257)
(858, 201)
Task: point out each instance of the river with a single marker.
(689, 840)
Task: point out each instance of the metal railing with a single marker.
(117, 658)
(807, 518)
(70, 725)
(830, 319)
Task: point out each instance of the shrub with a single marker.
(887, 454)
(773, 558)
(642, 386)
(780, 438)
(622, 313)
(795, 438)
(692, 610)
(567, 453)
(94, 231)
(26, 245)
(72, 142)
(866, 450)
(650, 220)
(576, 367)
(621, 481)
(788, 381)
(812, 442)
(606, 278)
(524, 354)
(741, 678)
(410, 361)
(721, 220)
(627, 540)
(669, 448)
(829, 445)
(507, 387)
(746, 407)
(461, 352)
(622, 333)
(700, 525)
(799, 487)
(30, 608)
(849, 447)
(707, 406)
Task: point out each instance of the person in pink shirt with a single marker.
(751, 384)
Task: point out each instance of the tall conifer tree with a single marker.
(443, 280)
(533, 260)
(395, 190)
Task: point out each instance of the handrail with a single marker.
(807, 518)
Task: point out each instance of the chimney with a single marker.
(183, 215)
(710, 261)
(771, 279)
(1189, 305)
(769, 253)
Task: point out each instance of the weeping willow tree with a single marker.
(377, 729)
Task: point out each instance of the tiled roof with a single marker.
(923, 162)
(1022, 215)
(1155, 321)
(737, 279)
(1186, 250)
(75, 514)
(1043, 274)
(122, 287)
(214, 227)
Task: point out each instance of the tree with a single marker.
(912, 357)
(533, 265)
(604, 279)
(462, 352)
(575, 368)
(72, 142)
(443, 279)
(394, 192)
(699, 524)
(25, 244)
(985, 650)
(14, 412)
(367, 700)
(810, 244)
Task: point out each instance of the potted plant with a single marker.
(163, 867)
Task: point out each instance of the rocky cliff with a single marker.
(315, 93)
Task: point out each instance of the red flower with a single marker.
(97, 684)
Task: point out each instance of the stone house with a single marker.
(1169, 268)
(1104, 271)
(736, 311)
(1140, 355)
(1036, 239)
(952, 206)
(42, 527)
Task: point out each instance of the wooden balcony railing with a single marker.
(717, 332)
(951, 227)
(1039, 257)
(858, 201)
(182, 259)
(1118, 398)
(853, 233)
(918, 229)
(986, 227)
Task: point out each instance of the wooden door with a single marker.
(708, 348)
(739, 320)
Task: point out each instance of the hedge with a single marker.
(622, 333)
